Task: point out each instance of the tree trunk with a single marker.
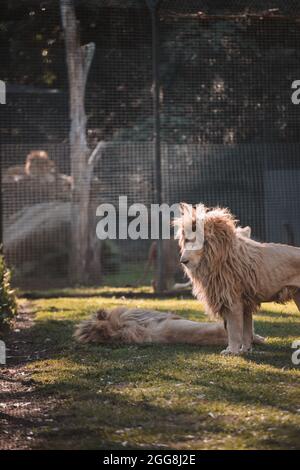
(78, 59)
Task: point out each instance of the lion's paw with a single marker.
(246, 350)
(228, 352)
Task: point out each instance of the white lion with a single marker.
(233, 274)
(136, 325)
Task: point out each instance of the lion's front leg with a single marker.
(234, 322)
(247, 331)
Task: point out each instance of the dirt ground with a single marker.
(21, 409)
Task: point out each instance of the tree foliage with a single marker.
(222, 80)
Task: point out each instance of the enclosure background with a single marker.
(230, 132)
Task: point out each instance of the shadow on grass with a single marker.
(112, 421)
(62, 329)
(133, 362)
(103, 396)
(98, 414)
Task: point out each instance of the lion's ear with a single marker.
(244, 231)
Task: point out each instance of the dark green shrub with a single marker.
(8, 305)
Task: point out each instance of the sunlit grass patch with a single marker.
(175, 396)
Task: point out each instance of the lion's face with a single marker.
(191, 258)
(198, 223)
(190, 235)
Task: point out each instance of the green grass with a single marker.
(154, 396)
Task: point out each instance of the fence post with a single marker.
(153, 6)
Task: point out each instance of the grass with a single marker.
(153, 396)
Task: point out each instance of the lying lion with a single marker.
(234, 274)
(123, 325)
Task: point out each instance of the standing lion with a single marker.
(234, 274)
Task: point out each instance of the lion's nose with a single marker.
(184, 260)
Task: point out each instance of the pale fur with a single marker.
(123, 325)
(218, 279)
(242, 231)
(234, 274)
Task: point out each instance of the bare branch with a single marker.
(97, 152)
(88, 51)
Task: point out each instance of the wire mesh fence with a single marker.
(229, 130)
